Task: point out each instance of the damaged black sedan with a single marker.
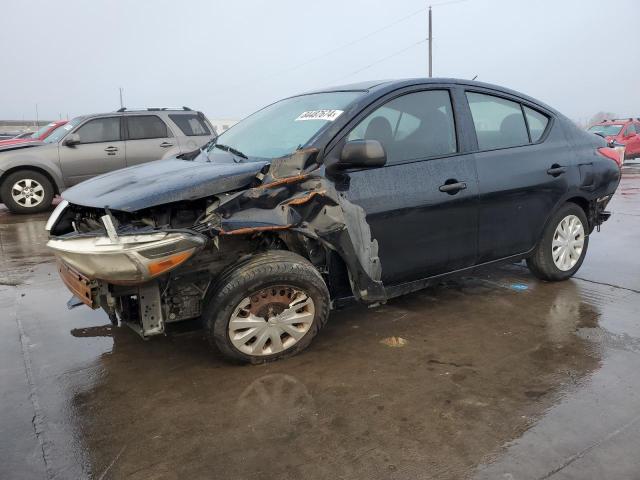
(361, 192)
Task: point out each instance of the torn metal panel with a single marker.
(294, 196)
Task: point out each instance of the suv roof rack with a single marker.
(154, 109)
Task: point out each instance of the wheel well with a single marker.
(56, 190)
(586, 208)
(328, 262)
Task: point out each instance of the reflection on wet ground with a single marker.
(501, 376)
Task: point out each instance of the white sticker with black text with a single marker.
(327, 115)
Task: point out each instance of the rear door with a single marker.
(148, 139)
(524, 168)
(193, 130)
(101, 150)
(424, 225)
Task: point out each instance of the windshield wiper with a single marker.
(229, 149)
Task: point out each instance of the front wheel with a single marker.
(563, 245)
(266, 308)
(26, 191)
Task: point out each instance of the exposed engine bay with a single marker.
(156, 265)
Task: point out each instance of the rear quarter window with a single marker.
(537, 123)
(191, 124)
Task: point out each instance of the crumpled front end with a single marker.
(154, 266)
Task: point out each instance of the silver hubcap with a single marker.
(27, 192)
(271, 320)
(568, 242)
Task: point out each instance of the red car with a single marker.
(622, 131)
(37, 136)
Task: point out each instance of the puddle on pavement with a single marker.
(480, 365)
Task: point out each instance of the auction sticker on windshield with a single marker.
(328, 115)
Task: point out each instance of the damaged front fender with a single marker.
(293, 195)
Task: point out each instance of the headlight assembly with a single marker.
(130, 259)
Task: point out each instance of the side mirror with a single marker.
(361, 154)
(71, 140)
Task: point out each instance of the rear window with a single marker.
(191, 125)
(146, 126)
(606, 130)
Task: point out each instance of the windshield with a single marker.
(606, 130)
(60, 132)
(281, 128)
(41, 131)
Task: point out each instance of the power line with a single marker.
(353, 42)
(394, 54)
(369, 35)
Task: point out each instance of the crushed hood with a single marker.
(161, 182)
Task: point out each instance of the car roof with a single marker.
(382, 86)
(148, 111)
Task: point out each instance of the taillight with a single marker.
(612, 154)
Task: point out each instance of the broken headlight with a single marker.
(126, 259)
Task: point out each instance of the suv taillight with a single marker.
(612, 154)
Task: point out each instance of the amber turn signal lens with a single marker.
(161, 266)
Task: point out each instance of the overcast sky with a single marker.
(229, 58)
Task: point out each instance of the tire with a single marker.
(38, 197)
(259, 292)
(542, 263)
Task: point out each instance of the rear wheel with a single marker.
(266, 308)
(26, 191)
(563, 246)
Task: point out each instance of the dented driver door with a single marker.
(422, 206)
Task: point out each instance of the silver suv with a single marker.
(32, 174)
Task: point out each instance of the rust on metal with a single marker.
(283, 181)
(79, 285)
(304, 199)
(247, 230)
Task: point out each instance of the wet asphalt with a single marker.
(500, 376)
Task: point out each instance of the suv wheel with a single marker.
(266, 308)
(563, 246)
(26, 191)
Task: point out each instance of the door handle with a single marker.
(556, 170)
(452, 188)
(111, 149)
(166, 144)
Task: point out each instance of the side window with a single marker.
(389, 114)
(100, 130)
(499, 123)
(537, 123)
(146, 126)
(631, 130)
(414, 126)
(191, 125)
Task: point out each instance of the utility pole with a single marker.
(121, 104)
(37, 122)
(430, 45)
